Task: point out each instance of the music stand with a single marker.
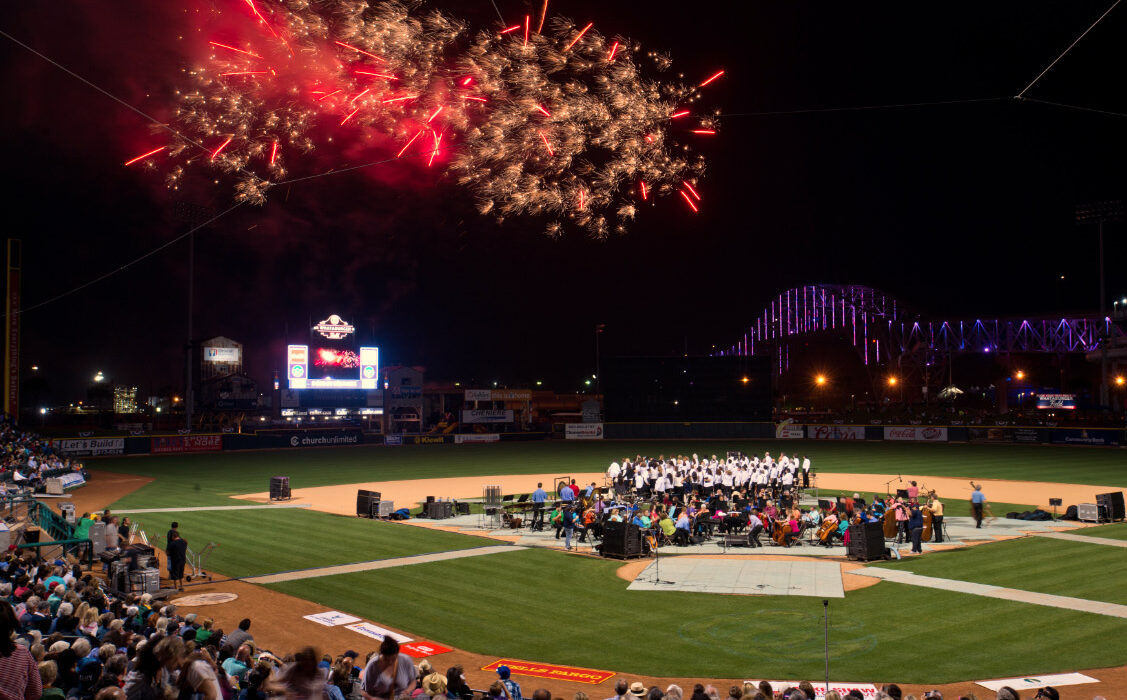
(1054, 502)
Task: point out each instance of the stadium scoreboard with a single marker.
(333, 359)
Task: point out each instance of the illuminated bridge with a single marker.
(885, 331)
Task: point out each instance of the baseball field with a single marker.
(554, 607)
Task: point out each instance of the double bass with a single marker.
(927, 515)
(889, 524)
(779, 532)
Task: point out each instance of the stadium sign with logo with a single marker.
(334, 328)
(1049, 402)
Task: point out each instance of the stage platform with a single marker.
(820, 579)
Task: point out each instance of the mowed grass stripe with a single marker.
(1036, 564)
(264, 542)
(551, 607)
(1115, 531)
(201, 480)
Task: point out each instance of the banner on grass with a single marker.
(422, 649)
(559, 673)
(376, 632)
(867, 690)
(1032, 682)
(331, 618)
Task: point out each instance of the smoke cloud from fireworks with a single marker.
(546, 118)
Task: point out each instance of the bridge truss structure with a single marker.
(886, 332)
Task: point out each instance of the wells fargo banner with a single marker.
(559, 673)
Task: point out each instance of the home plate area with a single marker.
(821, 579)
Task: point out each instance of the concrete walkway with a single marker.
(379, 564)
(988, 591)
(1107, 541)
(203, 508)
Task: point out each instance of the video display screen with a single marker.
(333, 359)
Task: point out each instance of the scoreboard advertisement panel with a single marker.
(333, 359)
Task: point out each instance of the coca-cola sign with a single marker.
(916, 433)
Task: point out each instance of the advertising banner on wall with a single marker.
(479, 395)
(168, 444)
(835, 432)
(788, 431)
(90, 447)
(1086, 436)
(325, 438)
(583, 431)
(487, 416)
(471, 438)
(917, 433)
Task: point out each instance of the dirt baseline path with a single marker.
(1035, 493)
(341, 499)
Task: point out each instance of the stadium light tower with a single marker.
(1101, 213)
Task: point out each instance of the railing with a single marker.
(49, 521)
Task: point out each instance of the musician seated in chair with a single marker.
(829, 529)
(682, 529)
(666, 529)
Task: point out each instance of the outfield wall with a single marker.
(196, 443)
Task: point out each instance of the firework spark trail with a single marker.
(559, 123)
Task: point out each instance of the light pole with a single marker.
(193, 217)
(1101, 213)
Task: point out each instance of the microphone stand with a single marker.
(826, 610)
(657, 564)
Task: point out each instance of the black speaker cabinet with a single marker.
(866, 542)
(364, 503)
(1112, 503)
(622, 541)
(279, 488)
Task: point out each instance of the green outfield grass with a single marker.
(253, 542)
(1033, 564)
(548, 606)
(208, 479)
(551, 607)
(1115, 531)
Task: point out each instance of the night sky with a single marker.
(960, 209)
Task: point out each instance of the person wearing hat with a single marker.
(638, 689)
(511, 686)
(434, 684)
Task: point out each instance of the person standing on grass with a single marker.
(977, 503)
